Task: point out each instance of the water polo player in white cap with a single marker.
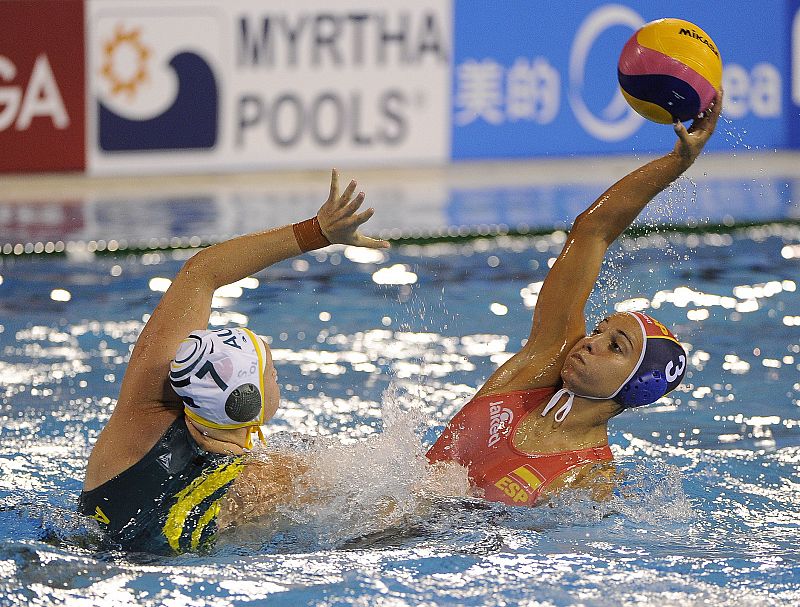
(167, 471)
(540, 422)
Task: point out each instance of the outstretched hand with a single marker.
(691, 142)
(339, 219)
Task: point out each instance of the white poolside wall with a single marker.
(489, 196)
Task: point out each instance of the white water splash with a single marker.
(355, 489)
(653, 495)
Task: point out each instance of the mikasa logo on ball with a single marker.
(693, 34)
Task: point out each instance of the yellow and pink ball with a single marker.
(670, 70)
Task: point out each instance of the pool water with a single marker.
(375, 351)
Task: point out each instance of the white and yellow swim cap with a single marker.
(219, 375)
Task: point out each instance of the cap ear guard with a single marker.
(244, 403)
(661, 366)
(643, 389)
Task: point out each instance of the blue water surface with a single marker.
(375, 352)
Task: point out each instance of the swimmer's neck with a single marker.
(585, 426)
(227, 442)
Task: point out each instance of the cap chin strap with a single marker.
(564, 409)
(250, 432)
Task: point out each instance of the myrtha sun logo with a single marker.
(120, 79)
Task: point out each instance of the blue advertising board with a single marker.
(534, 80)
(792, 95)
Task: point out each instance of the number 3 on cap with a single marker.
(668, 370)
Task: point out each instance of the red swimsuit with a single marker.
(480, 437)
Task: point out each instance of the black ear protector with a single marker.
(244, 403)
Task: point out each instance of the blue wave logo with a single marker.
(190, 123)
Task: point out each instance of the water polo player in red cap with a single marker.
(540, 422)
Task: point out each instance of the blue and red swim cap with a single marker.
(660, 369)
(661, 366)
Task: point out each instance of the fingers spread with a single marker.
(340, 219)
(707, 121)
(363, 217)
(714, 112)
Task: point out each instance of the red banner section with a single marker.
(42, 91)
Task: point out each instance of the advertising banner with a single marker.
(206, 85)
(163, 86)
(41, 86)
(793, 88)
(531, 82)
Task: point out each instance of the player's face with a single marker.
(600, 362)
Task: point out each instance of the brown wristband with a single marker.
(309, 235)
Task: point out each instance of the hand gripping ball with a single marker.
(669, 70)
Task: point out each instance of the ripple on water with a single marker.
(706, 513)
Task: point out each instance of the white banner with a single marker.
(211, 85)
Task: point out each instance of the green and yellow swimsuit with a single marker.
(167, 502)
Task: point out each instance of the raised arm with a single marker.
(558, 319)
(186, 306)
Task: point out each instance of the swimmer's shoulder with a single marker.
(124, 441)
(598, 478)
(266, 482)
(537, 365)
